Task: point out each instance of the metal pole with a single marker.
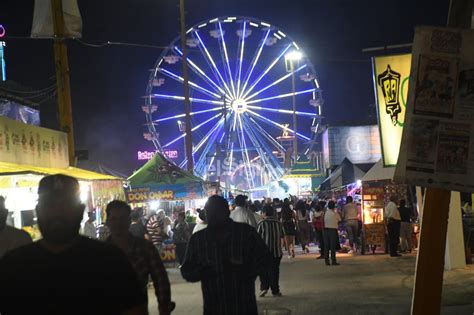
(62, 78)
(295, 139)
(187, 105)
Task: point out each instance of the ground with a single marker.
(368, 284)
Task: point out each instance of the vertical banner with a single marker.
(43, 19)
(437, 148)
(391, 76)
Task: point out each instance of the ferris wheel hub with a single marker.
(239, 106)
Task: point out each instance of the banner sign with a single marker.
(437, 148)
(165, 192)
(31, 145)
(391, 75)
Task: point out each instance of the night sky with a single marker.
(107, 83)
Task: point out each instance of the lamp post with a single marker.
(290, 59)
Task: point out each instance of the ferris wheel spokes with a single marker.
(254, 62)
(192, 114)
(280, 96)
(203, 46)
(271, 122)
(244, 152)
(193, 129)
(192, 99)
(247, 98)
(267, 135)
(241, 58)
(267, 70)
(284, 111)
(192, 84)
(227, 59)
(201, 73)
(261, 147)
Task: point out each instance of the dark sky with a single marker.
(107, 83)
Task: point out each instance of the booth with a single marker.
(303, 178)
(377, 188)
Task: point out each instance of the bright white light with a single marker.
(294, 55)
(277, 36)
(214, 20)
(202, 25)
(265, 24)
(296, 46)
(281, 33)
(154, 205)
(253, 24)
(359, 183)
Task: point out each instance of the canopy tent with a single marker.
(160, 179)
(379, 172)
(13, 169)
(346, 173)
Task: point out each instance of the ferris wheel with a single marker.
(249, 82)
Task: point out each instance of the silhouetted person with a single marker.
(226, 257)
(271, 231)
(59, 273)
(10, 237)
(241, 213)
(330, 234)
(181, 235)
(137, 228)
(141, 253)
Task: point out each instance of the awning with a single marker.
(13, 168)
(379, 172)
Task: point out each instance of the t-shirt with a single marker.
(62, 283)
(350, 211)
(331, 219)
(11, 238)
(405, 214)
(243, 215)
(137, 229)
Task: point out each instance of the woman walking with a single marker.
(289, 227)
(303, 225)
(318, 223)
(331, 237)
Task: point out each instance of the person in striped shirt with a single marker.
(271, 232)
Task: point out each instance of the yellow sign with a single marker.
(391, 76)
(31, 145)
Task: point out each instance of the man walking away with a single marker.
(406, 229)
(181, 235)
(318, 222)
(271, 232)
(137, 228)
(241, 213)
(331, 237)
(58, 273)
(350, 217)
(10, 237)
(226, 257)
(392, 217)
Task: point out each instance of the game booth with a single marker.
(160, 184)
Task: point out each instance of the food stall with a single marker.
(377, 187)
(161, 184)
(28, 153)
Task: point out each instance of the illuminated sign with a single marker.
(145, 195)
(360, 144)
(3, 70)
(391, 75)
(148, 155)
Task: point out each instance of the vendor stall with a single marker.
(303, 178)
(377, 188)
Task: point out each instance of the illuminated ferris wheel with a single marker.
(249, 82)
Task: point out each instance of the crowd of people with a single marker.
(227, 248)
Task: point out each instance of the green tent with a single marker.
(160, 179)
(304, 168)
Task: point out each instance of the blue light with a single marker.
(280, 96)
(227, 59)
(180, 79)
(278, 125)
(241, 56)
(192, 113)
(192, 99)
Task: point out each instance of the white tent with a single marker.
(379, 172)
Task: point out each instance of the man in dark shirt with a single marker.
(58, 273)
(137, 228)
(406, 228)
(226, 257)
(271, 232)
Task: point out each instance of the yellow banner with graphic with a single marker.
(391, 76)
(31, 145)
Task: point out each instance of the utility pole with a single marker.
(62, 77)
(293, 98)
(187, 105)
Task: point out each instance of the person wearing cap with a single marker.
(201, 224)
(226, 257)
(10, 237)
(56, 274)
(241, 213)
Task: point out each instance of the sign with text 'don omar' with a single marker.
(391, 76)
(31, 145)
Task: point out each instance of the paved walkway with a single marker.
(369, 284)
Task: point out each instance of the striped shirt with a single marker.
(156, 231)
(271, 232)
(227, 264)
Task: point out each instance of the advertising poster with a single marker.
(391, 78)
(437, 148)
